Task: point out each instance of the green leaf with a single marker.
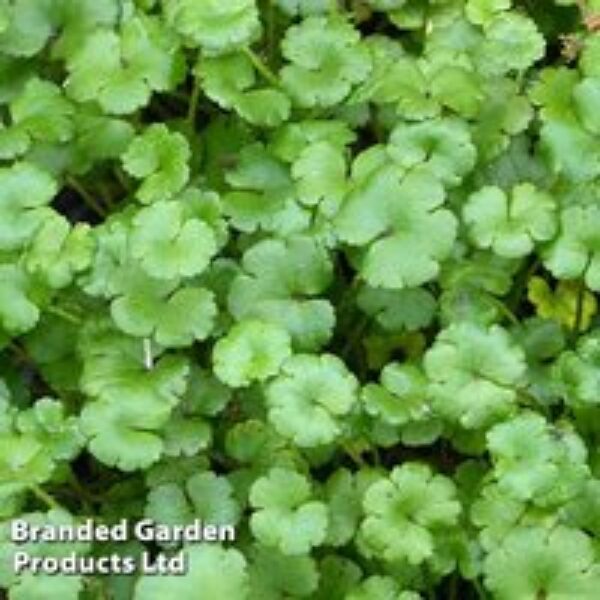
(115, 371)
(18, 313)
(205, 394)
(343, 493)
(277, 285)
(504, 113)
(125, 435)
(285, 516)
(57, 433)
(458, 88)
(512, 43)
(160, 158)
(39, 113)
(571, 150)
(186, 436)
(402, 401)
(553, 92)
(251, 351)
(132, 402)
(413, 501)
(273, 575)
(204, 496)
(474, 374)
(29, 25)
(309, 399)
(261, 190)
(536, 461)
(320, 173)
(379, 586)
(589, 55)
(510, 225)
(562, 303)
(173, 316)
(399, 80)
(25, 192)
(586, 96)
(443, 146)
(98, 138)
(120, 70)
(398, 310)
(326, 61)
(573, 255)
(213, 26)
(339, 575)
(481, 12)
(303, 7)
(53, 588)
(29, 583)
(555, 563)
(24, 463)
(230, 81)
(577, 372)
(168, 244)
(218, 572)
(254, 442)
(59, 252)
(496, 514)
(398, 217)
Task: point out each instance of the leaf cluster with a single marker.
(323, 270)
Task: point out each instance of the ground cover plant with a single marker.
(324, 271)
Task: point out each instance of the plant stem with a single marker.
(503, 309)
(44, 496)
(359, 328)
(106, 195)
(86, 196)
(64, 314)
(520, 286)
(85, 496)
(271, 30)
(578, 310)
(376, 457)
(193, 106)
(355, 456)
(453, 592)
(260, 66)
(22, 356)
(148, 358)
(479, 589)
(122, 179)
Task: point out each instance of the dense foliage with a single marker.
(323, 270)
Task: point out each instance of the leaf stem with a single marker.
(22, 356)
(86, 497)
(106, 195)
(359, 328)
(64, 314)
(148, 358)
(271, 30)
(261, 67)
(122, 179)
(578, 310)
(86, 196)
(503, 309)
(44, 496)
(479, 589)
(355, 456)
(193, 105)
(521, 280)
(453, 591)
